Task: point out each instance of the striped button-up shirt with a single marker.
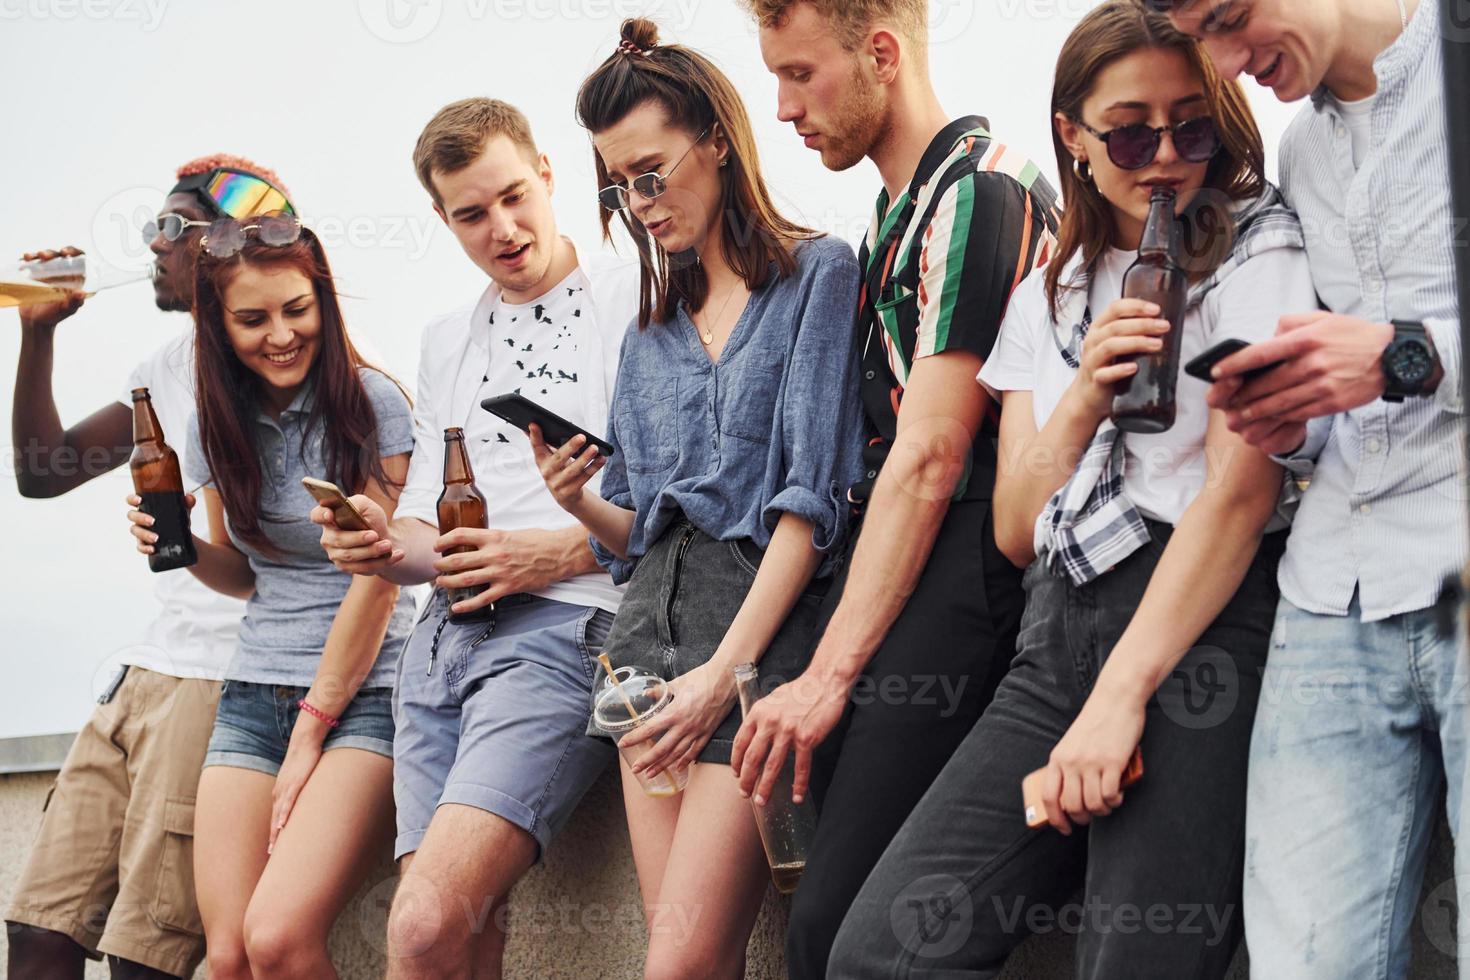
(1386, 511)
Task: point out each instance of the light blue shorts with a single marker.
(495, 717)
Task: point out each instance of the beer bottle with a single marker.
(156, 478)
(1145, 402)
(461, 505)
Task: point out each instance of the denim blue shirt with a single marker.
(774, 426)
(1384, 516)
(297, 590)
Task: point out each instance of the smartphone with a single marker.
(1031, 789)
(330, 496)
(1200, 367)
(520, 412)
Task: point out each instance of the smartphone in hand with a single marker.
(1201, 366)
(521, 412)
(1031, 789)
(330, 496)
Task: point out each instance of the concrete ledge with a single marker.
(578, 915)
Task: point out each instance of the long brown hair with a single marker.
(228, 394)
(697, 97)
(1237, 173)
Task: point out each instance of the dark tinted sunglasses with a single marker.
(650, 185)
(1134, 147)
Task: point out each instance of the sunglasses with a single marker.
(225, 237)
(1134, 147)
(649, 185)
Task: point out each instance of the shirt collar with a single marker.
(941, 146)
(300, 405)
(1394, 62)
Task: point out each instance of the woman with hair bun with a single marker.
(738, 430)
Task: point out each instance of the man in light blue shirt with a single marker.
(1363, 710)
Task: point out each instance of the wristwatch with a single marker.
(1410, 362)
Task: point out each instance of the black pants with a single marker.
(919, 697)
(965, 880)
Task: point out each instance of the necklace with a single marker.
(1403, 16)
(706, 334)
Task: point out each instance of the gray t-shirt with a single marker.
(297, 590)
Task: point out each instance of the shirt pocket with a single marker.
(748, 393)
(648, 426)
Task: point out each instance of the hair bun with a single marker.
(641, 33)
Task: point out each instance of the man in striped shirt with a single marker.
(922, 623)
(1363, 712)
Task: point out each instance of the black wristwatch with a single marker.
(1410, 361)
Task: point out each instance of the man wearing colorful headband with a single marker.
(491, 754)
(111, 870)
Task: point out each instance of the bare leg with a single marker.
(651, 824)
(713, 883)
(343, 816)
(231, 830)
(443, 925)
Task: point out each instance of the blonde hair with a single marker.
(457, 135)
(850, 19)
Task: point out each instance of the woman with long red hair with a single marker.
(297, 786)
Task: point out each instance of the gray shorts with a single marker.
(497, 722)
(683, 596)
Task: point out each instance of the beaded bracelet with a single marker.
(315, 712)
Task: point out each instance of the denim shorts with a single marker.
(253, 726)
(683, 596)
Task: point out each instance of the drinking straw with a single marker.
(632, 711)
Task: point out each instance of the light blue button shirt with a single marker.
(297, 590)
(1385, 512)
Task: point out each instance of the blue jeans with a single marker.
(1359, 725)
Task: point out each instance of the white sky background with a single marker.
(106, 97)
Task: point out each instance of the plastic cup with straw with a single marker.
(628, 698)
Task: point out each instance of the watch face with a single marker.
(1409, 362)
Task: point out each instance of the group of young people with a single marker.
(891, 472)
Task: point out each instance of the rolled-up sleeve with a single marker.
(1445, 334)
(821, 421)
(615, 490)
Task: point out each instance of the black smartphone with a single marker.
(520, 412)
(1200, 367)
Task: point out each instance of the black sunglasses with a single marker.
(650, 185)
(1134, 146)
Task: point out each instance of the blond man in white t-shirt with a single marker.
(490, 752)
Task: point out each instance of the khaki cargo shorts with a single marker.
(113, 863)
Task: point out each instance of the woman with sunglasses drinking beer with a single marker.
(1152, 536)
(737, 431)
(297, 785)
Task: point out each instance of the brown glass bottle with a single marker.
(156, 478)
(1145, 402)
(461, 505)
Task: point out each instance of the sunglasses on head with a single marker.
(649, 185)
(225, 237)
(1134, 146)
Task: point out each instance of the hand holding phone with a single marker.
(330, 496)
(1032, 789)
(521, 412)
